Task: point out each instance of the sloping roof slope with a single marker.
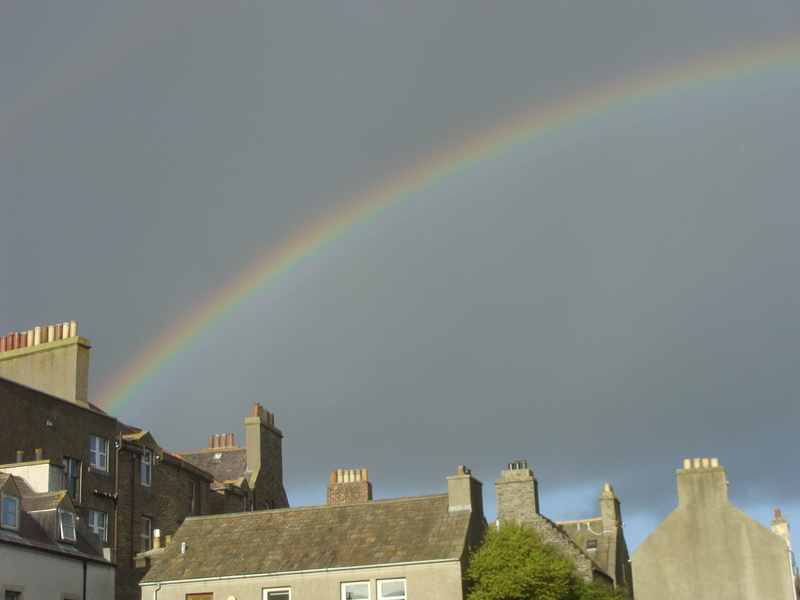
(225, 464)
(316, 537)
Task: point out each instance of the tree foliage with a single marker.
(514, 563)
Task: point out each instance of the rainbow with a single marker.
(477, 158)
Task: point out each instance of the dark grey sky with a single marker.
(604, 303)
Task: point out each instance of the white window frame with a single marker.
(67, 526)
(267, 592)
(99, 528)
(12, 500)
(98, 452)
(147, 533)
(147, 468)
(347, 584)
(191, 487)
(381, 582)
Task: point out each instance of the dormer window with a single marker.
(10, 512)
(66, 521)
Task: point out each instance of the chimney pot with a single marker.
(714, 462)
(20, 454)
(696, 462)
(38, 453)
(777, 513)
(211, 441)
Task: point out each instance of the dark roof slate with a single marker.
(225, 464)
(316, 537)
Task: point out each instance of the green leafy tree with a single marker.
(514, 563)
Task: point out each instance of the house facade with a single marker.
(45, 552)
(402, 548)
(124, 486)
(707, 548)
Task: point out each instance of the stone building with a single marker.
(596, 544)
(124, 486)
(354, 548)
(707, 548)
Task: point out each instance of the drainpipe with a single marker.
(85, 567)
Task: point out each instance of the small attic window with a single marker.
(66, 521)
(217, 456)
(10, 512)
(591, 544)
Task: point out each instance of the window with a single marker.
(10, 512)
(199, 596)
(591, 544)
(147, 467)
(98, 521)
(98, 453)
(66, 521)
(281, 594)
(13, 595)
(147, 534)
(191, 490)
(72, 478)
(355, 591)
(394, 589)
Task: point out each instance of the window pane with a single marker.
(393, 589)
(355, 591)
(9, 518)
(98, 452)
(67, 526)
(147, 468)
(277, 594)
(97, 523)
(72, 478)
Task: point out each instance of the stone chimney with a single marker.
(780, 527)
(349, 486)
(465, 492)
(517, 493)
(702, 481)
(53, 359)
(609, 508)
(264, 459)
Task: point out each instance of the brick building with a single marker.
(123, 485)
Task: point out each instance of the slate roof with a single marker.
(225, 464)
(376, 532)
(32, 534)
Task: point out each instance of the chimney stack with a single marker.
(517, 493)
(465, 492)
(51, 359)
(702, 481)
(349, 486)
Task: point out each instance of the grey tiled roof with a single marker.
(225, 464)
(316, 537)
